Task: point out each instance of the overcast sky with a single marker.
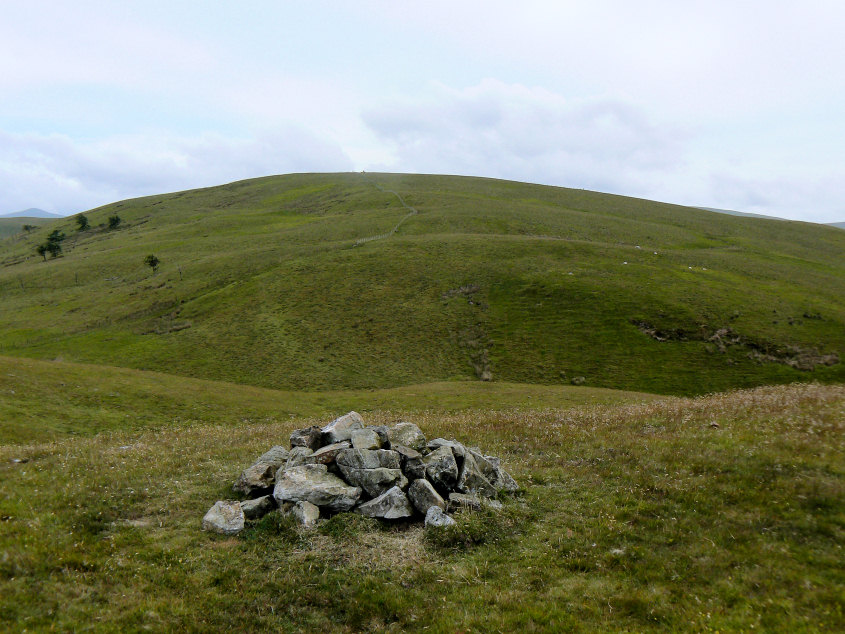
(737, 105)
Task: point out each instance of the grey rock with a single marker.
(392, 504)
(411, 462)
(442, 468)
(255, 480)
(423, 496)
(365, 438)
(471, 480)
(306, 513)
(406, 434)
(341, 428)
(276, 456)
(298, 456)
(226, 518)
(436, 517)
(310, 437)
(459, 501)
(312, 483)
(500, 479)
(369, 459)
(382, 432)
(259, 507)
(374, 481)
(487, 468)
(457, 448)
(327, 455)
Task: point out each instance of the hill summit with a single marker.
(329, 281)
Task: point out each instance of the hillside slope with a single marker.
(267, 282)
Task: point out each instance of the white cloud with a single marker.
(60, 174)
(512, 131)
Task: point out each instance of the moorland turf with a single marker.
(261, 283)
(720, 513)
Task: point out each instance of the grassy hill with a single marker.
(13, 226)
(268, 282)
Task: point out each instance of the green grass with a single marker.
(42, 401)
(11, 228)
(719, 513)
(260, 284)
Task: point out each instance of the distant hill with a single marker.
(333, 281)
(740, 213)
(32, 212)
(841, 225)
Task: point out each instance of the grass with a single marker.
(42, 401)
(261, 284)
(11, 228)
(724, 512)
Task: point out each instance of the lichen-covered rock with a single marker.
(501, 479)
(298, 456)
(411, 462)
(471, 480)
(458, 450)
(374, 470)
(392, 504)
(341, 428)
(306, 513)
(374, 481)
(327, 455)
(441, 468)
(423, 496)
(276, 456)
(472, 502)
(369, 459)
(256, 480)
(312, 483)
(406, 434)
(366, 438)
(225, 517)
(310, 437)
(436, 517)
(259, 507)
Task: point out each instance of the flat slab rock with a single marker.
(313, 483)
(391, 505)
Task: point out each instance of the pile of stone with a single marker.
(392, 473)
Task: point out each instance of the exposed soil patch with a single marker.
(805, 359)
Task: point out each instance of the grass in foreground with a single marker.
(42, 400)
(724, 512)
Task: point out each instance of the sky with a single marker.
(736, 104)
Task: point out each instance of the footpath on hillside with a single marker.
(411, 212)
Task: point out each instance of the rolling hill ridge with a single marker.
(270, 282)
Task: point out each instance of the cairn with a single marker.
(391, 473)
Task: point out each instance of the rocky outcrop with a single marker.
(390, 473)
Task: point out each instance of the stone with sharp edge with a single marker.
(392, 504)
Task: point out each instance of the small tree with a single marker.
(82, 221)
(114, 221)
(28, 228)
(152, 262)
(53, 246)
